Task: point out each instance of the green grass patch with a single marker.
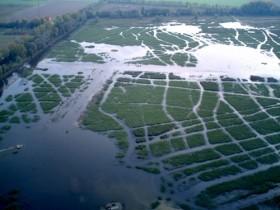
(97, 121)
(229, 121)
(55, 80)
(37, 79)
(14, 120)
(253, 144)
(152, 75)
(258, 183)
(273, 139)
(140, 132)
(24, 97)
(160, 148)
(261, 152)
(205, 166)
(138, 115)
(4, 115)
(208, 104)
(249, 165)
(218, 137)
(180, 114)
(240, 132)
(240, 158)
(182, 98)
(194, 129)
(195, 140)
(141, 151)
(122, 139)
(184, 84)
(219, 173)
(178, 144)
(136, 94)
(210, 86)
(151, 170)
(256, 117)
(159, 129)
(268, 159)
(212, 125)
(233, 88)
(190, 158)
(266, 126)
(243, 104)
(228, 149)
(48, 106)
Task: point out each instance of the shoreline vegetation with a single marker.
(38, 35)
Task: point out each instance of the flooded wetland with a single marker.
(137, 111)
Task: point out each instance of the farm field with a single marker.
(8, 8)
(233, 3)
(178, 111)
(28, 9)
(20, 2)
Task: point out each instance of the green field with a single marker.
(43, 95)
(21, 2)
(11, 10)
(34, 2)
(233, 3)
(170, 134)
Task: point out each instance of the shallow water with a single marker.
(175, 27)
(214, 57)
(236, 25)
(237, 61)
(119, 53)
(70, 171)
(66, 167)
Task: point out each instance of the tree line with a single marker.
(255, 8)
(38, 35)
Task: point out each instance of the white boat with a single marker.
(18, 146)
(113, 206)
(13, 149)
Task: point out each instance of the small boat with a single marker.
(113, 206)
(14, 149)
(18, 146)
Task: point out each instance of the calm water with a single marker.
(65, 167)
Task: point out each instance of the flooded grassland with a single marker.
(192, 107)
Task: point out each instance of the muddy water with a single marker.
(65, 167)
